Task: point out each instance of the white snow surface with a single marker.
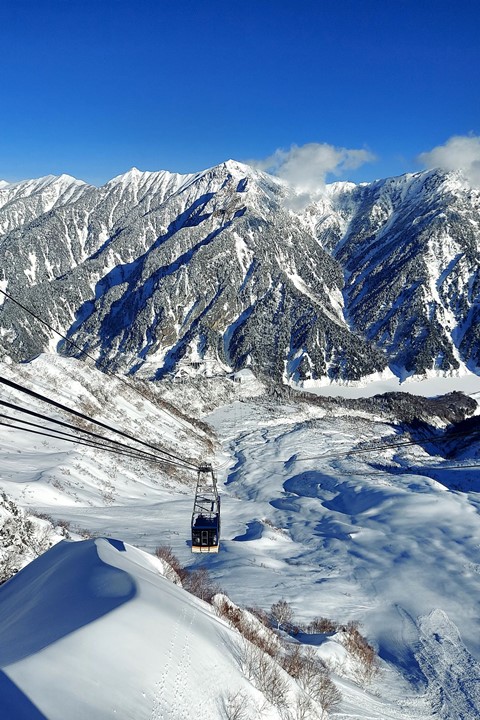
(388, 538)
(429, 386)
(106, 629)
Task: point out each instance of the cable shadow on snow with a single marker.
(65, 589)
(457, 479)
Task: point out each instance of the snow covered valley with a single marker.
(388, 537)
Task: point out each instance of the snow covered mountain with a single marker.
(411, 261)
(156, 273)
(23, 202)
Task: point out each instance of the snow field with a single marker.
(383, 539)
(111, 634)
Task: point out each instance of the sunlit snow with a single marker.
(389, 538)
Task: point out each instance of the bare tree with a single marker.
(265, 673)
(235, 706)
(41, 541)
(199, 583)
(311, 674)
(322, 625)
(173, 570)
(304, 707)
(324, 691)
(282, 613)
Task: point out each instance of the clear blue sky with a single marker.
(94, 87)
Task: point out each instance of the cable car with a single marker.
(206, 513)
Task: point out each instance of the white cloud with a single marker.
(461, 152)
(307, 166)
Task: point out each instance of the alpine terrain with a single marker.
(157, 273)
(226, 319)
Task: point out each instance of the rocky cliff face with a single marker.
(410, 255)
(156, 273)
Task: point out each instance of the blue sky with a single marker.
(94, 87)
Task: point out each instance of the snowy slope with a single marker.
(389, 539)
(52, 472)
(410, 254)
(23, 202)
(382, 538)
(104, 635)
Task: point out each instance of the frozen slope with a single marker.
(388, 539)
(92, 629)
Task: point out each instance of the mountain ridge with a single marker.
(158, 273)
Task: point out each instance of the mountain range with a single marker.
(158, 273)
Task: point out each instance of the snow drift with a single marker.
(93, 629)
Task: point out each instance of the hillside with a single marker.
(358, 511)
(159, 274)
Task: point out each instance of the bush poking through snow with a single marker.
(322, 625)
(265, 674)
(42, 516)
(260, 615)
(311, 674)
(172, 568)
(199, 583)
(264, 656)
(362, 651)
(196, 581)
(235, 706)
(249, 626)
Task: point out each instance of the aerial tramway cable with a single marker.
(206, 511)
(77, 413)
(114, 446)
(77, 441)
(84, 352)
(26, 411)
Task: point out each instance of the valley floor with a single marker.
(383, 538)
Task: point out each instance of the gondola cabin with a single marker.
(206, 513)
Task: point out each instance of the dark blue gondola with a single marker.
(206, 513)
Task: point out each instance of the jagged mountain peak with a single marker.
(232, 170)
(26, 188)
(25, 201)
(239, 169)
(137, 177)
(431, 181)
(65, 177)
(164, 271)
